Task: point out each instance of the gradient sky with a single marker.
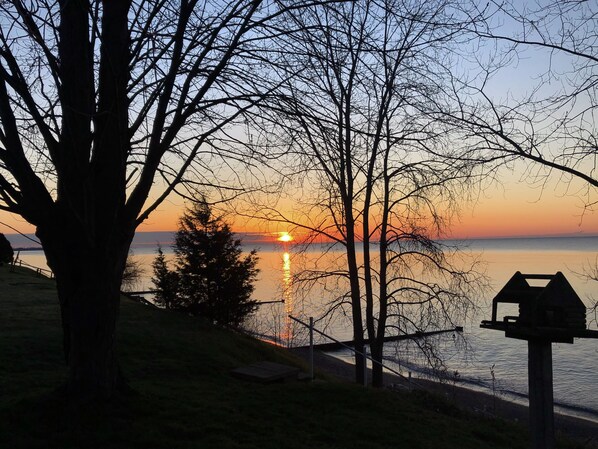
(513, 208)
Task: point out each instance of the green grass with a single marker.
(185, 397)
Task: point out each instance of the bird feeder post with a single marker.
(553, 313)
(541, 408)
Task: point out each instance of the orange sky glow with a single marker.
(514, 210)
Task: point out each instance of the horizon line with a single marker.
(267, 237)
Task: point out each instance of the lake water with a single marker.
(477, 357)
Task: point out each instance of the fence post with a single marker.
(14, 262)
(313, 329)
(311, 347)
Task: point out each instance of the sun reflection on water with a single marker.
(287, 296)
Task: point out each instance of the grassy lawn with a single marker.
(185, 397)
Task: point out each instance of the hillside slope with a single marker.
(184, 396)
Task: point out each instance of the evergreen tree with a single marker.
(213, 280)
(166, 282)
(6, 251)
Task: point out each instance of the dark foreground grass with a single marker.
(184, 396)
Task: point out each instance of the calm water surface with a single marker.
(482, 353)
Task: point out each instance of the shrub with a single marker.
(6, 251)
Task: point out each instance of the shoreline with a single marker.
(474, 401)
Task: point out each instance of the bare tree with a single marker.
(106, 108)
(589, 273)
(132, 273)
(551, 122)
(367, 164)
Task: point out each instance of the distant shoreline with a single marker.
(151, 238)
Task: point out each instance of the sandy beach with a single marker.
(581, 430)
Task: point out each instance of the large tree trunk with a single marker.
(88, 276)
(90, 311)
(356, 312)
(87, 232)
(377, 349)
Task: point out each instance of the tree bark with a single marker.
(376, 349)
(88, 274)
(91, 309)
(86, 236)
(356, 312)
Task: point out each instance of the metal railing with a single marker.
(364, 354)
(38, 271)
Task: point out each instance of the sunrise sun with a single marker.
(285, 237)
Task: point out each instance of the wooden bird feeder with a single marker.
(548, 314)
